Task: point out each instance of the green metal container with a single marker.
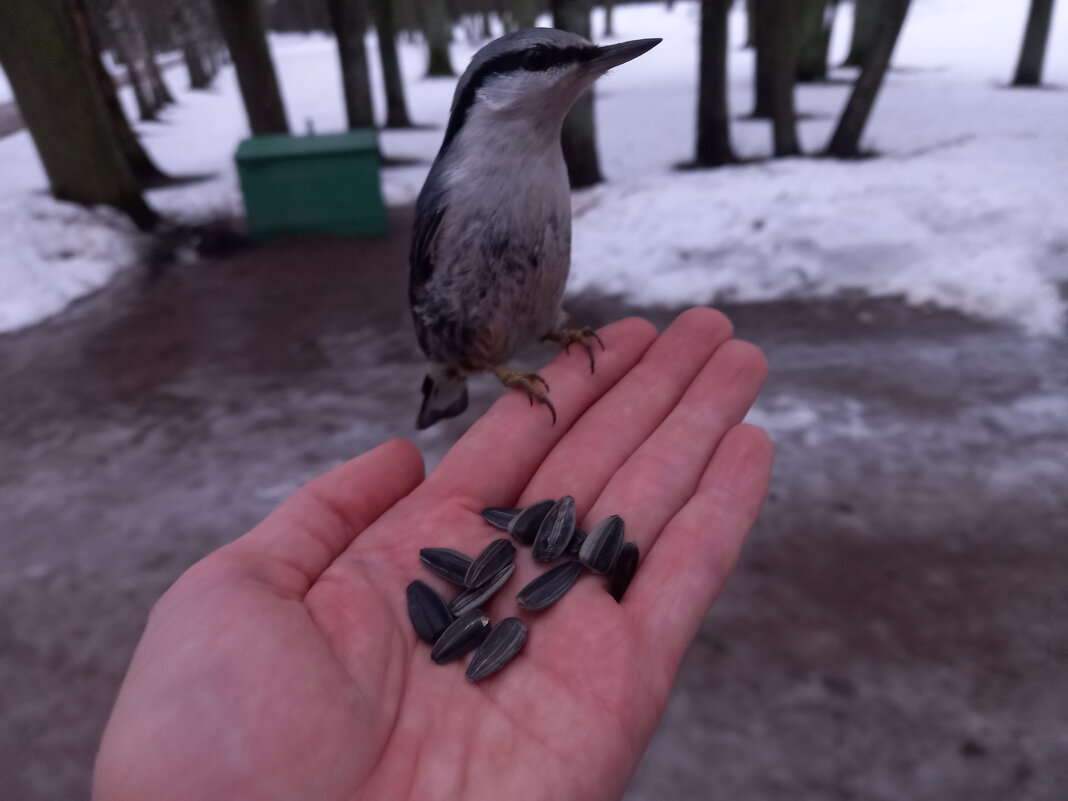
(312, 185)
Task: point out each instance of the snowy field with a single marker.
(967, 209)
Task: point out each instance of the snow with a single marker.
(5, 88)
(967, 208)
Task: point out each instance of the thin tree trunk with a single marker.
(782, 39)
(126, 50)
(761, 26)
(396, 105)
(56, 94)
(579, 137)
(866, 14)
(845, 143)
(815, 38)
(487, 28)
(159, 86)
(437, 29)
(525, 13)
(1033, 50)
(349, 18)
(609, 26)
(713, 119)
(144, 169)
(194, 47)
(242, 28)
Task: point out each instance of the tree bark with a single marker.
(349, 18)
(1033, 50)
(396, 105)
(144, 169)
(782, 43)
(437, 29)
(54, 88)
(242, 28)
(713, 118)
(817, 17)
(579, 136)
(761, 26)
(845, 143)
(866, 14)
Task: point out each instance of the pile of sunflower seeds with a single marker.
(457, 627)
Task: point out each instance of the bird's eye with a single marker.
(537, 60)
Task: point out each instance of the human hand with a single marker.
(284, 664)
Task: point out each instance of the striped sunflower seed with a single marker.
(623, 572)
(549, 587)
(469, 599)
(524, 526)
(577, 539)
(488, 564)
(555, 531)
(465, 634)
(498, 649)
(445, 562)
(602, 545)
(500, 516)
(429, 613)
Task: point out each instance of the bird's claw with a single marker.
(528, 382)
(579, 336)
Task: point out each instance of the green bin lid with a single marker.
(278, 146)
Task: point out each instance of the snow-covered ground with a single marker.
(968, 209)
(5, 87)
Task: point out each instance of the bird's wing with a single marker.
(429, 212)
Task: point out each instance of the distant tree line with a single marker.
(63, 59)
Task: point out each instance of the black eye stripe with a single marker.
(529, 60)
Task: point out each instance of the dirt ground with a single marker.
(897, 628)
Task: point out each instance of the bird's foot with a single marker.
(577, 336)
(529, 383)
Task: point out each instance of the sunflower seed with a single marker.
(555, 531)
(429, 613)
(465, 634)
(623, 572)
(524, 526)
(497, 650)
(469, 599)
(445, 562)
(549, 587)
(500, 516)
(602, 545)
(489, 563)
(577, 539)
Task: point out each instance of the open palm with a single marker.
(284, 665)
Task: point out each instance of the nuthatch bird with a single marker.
(491, 246)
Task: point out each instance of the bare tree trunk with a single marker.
(866, 15)
(437, 29)
(126, 49)
(242, 27)
(817, 17)
(845, 143)
(1033, 51)
(144, 169)
(55, 91)
(713, 118)
(349, 18)
(194, 46)
(609, 22)
(525, 13)
(396, 105)
(761, 26)
(782, 39)
(579, 137)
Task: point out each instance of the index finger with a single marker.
(494, 460)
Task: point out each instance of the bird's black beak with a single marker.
(609, 56)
